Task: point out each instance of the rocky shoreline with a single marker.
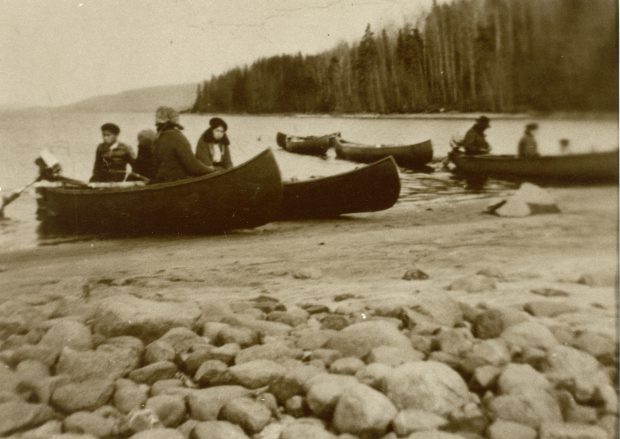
(130, 367)
(422, 322)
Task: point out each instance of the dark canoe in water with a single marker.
(368, 189)
(593, 167)
(309, 145)
(407, 156)
(245, 196)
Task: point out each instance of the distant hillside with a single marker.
(181, 97)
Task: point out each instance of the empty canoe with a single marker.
(309, 145)
(368, 189)
(579, 168)
(407, 156)
(245, 196)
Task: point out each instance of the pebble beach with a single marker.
(426, 321)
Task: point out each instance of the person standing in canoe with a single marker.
(172, 153)
(475, 140)
(112, 156)
(527, 145)
(213, 148)
(144, 163)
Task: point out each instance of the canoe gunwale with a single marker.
(378, 163)
(157, 186)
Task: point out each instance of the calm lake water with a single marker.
(73, 139)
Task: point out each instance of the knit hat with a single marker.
(216, 122)
(531, 126)
(166, 114)
(111, 128)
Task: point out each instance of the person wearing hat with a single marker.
(527, 145)
(475, 140)
(144, 163)
(213, 148)
(112, 156)
(172, 153)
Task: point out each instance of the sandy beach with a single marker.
(364, 255)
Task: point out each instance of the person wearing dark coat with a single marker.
(112, 156)
(213, 148)
(527, 145)
(144, 163)
(172, 153)
(475, 140)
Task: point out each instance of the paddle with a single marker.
(8, 199)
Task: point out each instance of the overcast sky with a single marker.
(58, 51)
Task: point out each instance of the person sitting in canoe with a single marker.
(144, 163)
(112, 156)
(213, 148)
(475, 141)
(172, 153)
(527, 145)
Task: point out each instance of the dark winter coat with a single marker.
(475, 142)
(206, 150)
(173, 157)
(111, 164)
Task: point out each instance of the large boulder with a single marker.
(501, 429)
(530, 407)
(205, 404)
(362, 410)
(433, 307)
(359, 339)
(516, 378)
(250, 415)
(274, 351)
(18, 415)
(217, 430)
(306, 429)
(256, 373)
(87, 395)
(68, 333)
(427, 385)
(576, 370)
(108, 361)
(570, 430)
(325, 390)
(143, 318)
(529, 335)
(412, 420)
(89, 423)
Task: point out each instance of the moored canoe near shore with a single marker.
(371, 188)
(408, 156)
(245, 196)
(308, 145)
(595, 167)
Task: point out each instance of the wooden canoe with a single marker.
(368, 189)
(407, 156)
(245, 196)
(309, 145)
(593, 167)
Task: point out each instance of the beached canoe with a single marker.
(245, 196)
(407, 156)
(309, 145)
(368, 189)
(593, 167)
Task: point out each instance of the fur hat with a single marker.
(166, 114)
(216, 122)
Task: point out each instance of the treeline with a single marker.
(467, 55)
